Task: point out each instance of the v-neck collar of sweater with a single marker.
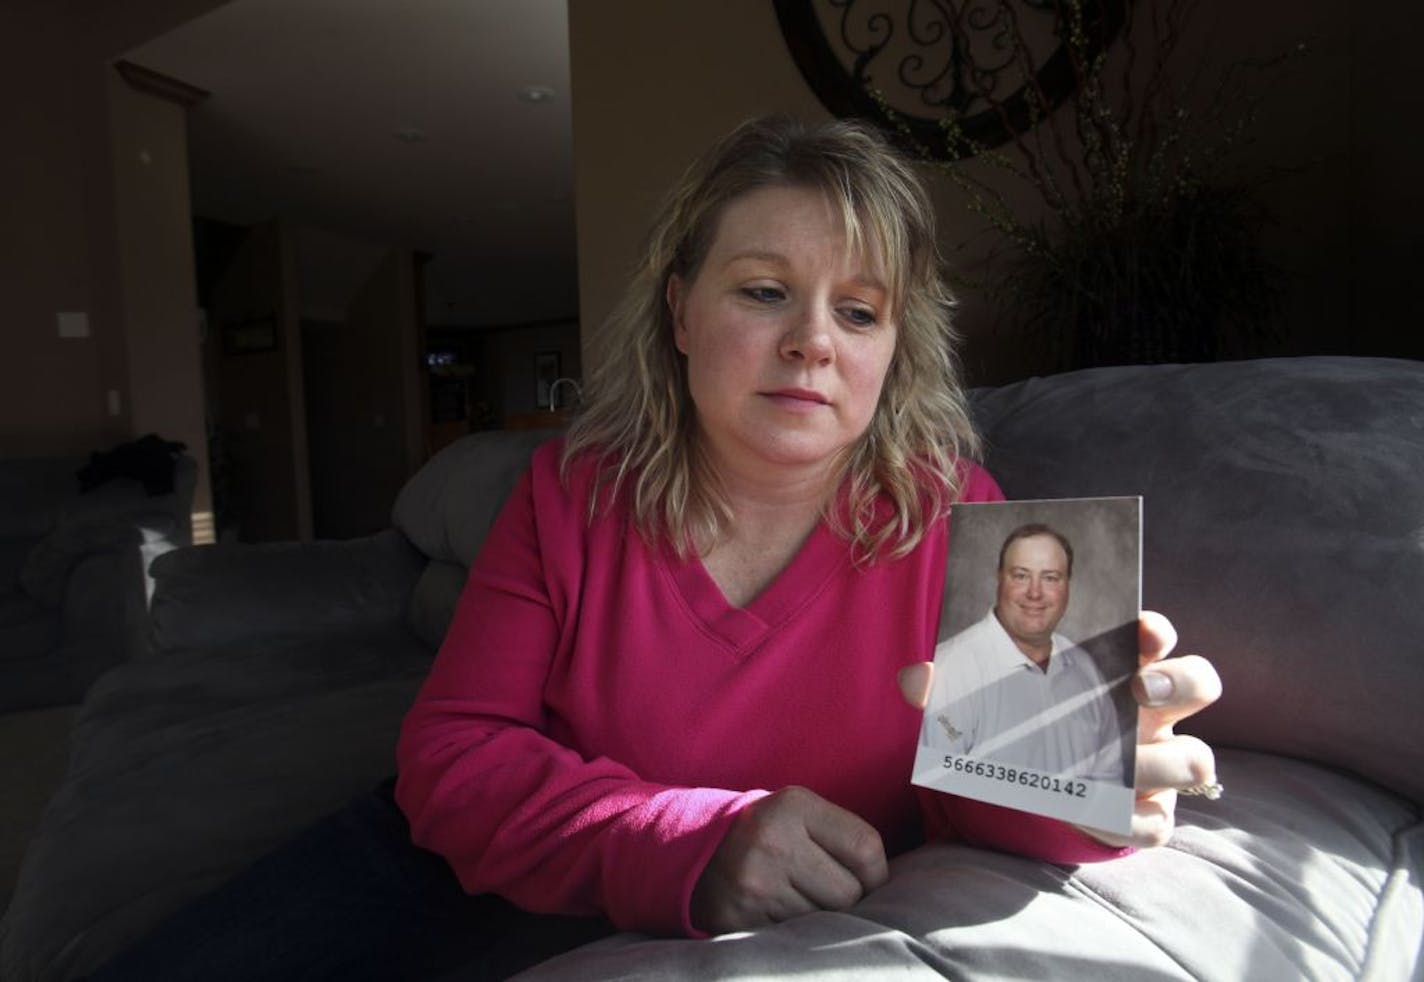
(742, 629)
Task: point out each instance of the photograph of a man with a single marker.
(1011, 689)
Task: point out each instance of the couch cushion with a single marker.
(1283, 533)
(46, 568)
(432, 602)
(447, 508)
(230, 594)
(14, 550)
(186, 769)
(1298, 872)
(28, 628)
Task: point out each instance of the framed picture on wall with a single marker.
(546, 372)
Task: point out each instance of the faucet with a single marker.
(554, 392)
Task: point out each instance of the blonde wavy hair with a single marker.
(639, 421)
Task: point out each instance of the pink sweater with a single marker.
(598, 714)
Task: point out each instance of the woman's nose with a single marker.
(809, 337)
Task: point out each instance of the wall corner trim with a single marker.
(164, 86)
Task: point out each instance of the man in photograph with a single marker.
(1010, 689)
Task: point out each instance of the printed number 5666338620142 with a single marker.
(1012, 775)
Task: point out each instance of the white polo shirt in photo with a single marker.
(991, 702)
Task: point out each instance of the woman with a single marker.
(666, 693)
(667, 698)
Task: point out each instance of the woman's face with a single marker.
(787, 335)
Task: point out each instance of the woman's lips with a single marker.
(798, 399)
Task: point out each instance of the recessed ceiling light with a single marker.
(412, 135)
(536, 93)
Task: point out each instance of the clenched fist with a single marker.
(790, 853)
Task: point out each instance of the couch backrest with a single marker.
(1283, 528)
(1283, 531)
(446, 510)
(47, 523)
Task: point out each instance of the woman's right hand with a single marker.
(789, 853)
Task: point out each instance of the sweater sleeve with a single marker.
(513, 810)
(955, 818)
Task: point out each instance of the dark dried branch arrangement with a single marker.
(1143, 245)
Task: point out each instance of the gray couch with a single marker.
(1284, 534)
(73, 589)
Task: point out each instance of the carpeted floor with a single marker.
(34, 750)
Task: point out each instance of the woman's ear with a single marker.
(674, 295)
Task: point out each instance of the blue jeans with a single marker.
(349, 899)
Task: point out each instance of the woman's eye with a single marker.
(763, 294)
(858, 316)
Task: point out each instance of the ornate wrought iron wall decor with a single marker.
(992, 67)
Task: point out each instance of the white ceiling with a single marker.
(308, 98)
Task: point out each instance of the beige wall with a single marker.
(654, 83)
(158, 293)
(59, 240)
(54, 179)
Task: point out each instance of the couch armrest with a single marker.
(45, 574)
(228, 594)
